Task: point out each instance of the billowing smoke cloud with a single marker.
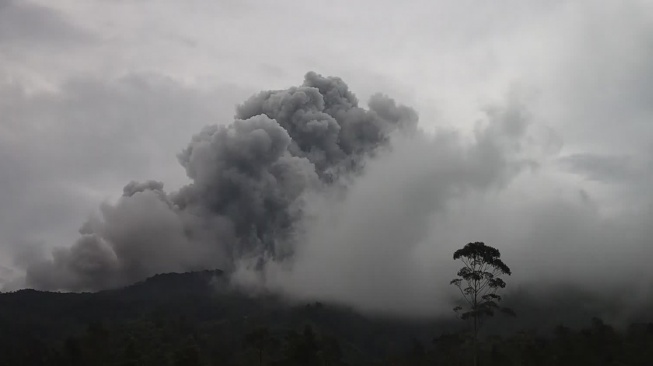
(309, 195)
(249, 183)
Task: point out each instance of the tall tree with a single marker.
(261, 340)
(478, 281)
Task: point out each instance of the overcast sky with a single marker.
(94, 94)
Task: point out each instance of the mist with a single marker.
(386, 244)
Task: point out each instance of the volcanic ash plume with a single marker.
(249, 180)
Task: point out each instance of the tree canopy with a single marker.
(478, 281)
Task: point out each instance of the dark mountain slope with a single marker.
(195, 319)
(196, 305)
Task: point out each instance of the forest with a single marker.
(193, 319)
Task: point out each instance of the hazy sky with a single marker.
(94, 94)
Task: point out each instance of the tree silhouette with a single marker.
(478, 281)
(261, 340)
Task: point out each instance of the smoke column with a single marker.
(249, 182)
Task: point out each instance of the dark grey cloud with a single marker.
(325, 123)
(248, 182)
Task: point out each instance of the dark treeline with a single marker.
(184, 320)
(179, 343)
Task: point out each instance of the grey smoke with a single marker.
(366, 247)
(307, 194)
(249, 180)
(386, 246)
(325, 123)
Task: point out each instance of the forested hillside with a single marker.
(193, 319)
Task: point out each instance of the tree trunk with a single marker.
(475, 341)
